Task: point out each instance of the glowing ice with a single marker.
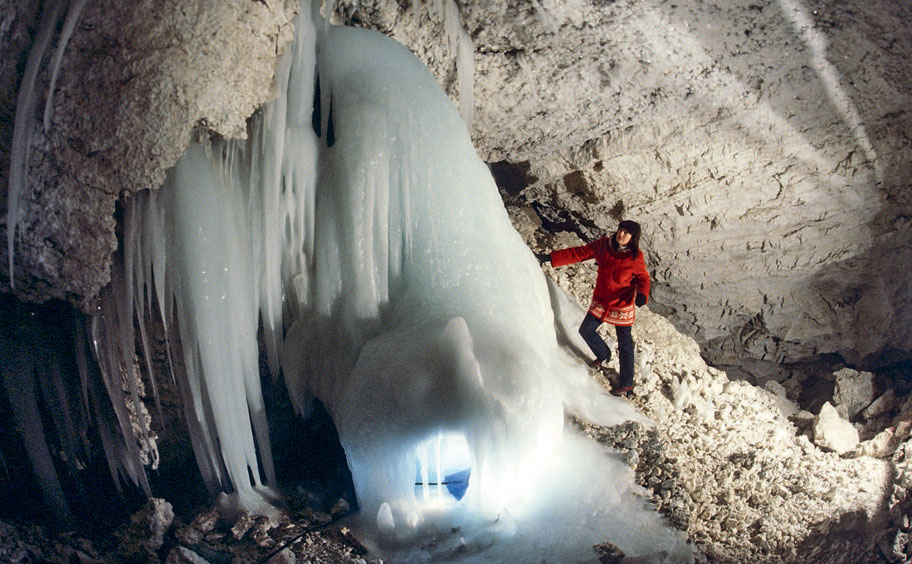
(408, 304)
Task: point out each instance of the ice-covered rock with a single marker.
(832, 432)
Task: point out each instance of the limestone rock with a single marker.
(854, 391)
(609, 553)
(145, 532)
(159, 515)
(199, 527)
(284, 556)
(786, 406)
(243, 524)
(341, 508)
(881, 446)
(137, 77)
(832, 432)
(881, 406)
(742, 483)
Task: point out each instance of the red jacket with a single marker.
(621, 277)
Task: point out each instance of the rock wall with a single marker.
(765, 147)
(136, 78)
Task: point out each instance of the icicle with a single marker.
(438, 466)
(72, 18)
(461, 46)
(123, 315)
(322, 82)
(123, 461)
(120, 449)
(452, 23)
(264, 212)
(82, 364)
(329, 7)
(18, 379)
(24, 126)
(54, 393)
(139, 289)
(213, 281)
(465, 77)
(106, 336)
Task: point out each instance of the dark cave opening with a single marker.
(312, 469)
(44, 337)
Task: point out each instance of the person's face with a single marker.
(623, 237)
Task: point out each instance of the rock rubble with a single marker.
(725, 463)
(153, 535)
(736, 466)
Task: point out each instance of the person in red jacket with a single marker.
(621, 284)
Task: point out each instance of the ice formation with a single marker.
(360, 227)
(24, 125)
(25, 122)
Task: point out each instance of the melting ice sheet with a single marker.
(392, 287)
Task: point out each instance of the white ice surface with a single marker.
(393, 288)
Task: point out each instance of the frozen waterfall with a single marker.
(357, 224)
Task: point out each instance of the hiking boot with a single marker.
(621, 391)
(598, 362)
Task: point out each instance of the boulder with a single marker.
(854, 391)
(881, 406)
(145, 532)
(882, 445)
(832, 432)
(183, 555)
(785, 405)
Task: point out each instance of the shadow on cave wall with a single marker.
(866, 293)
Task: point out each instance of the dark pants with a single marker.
(625, 346)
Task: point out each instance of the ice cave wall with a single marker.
(134, 80)
(765, 146)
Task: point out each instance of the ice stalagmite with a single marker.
(360, 227)
(442, 317)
